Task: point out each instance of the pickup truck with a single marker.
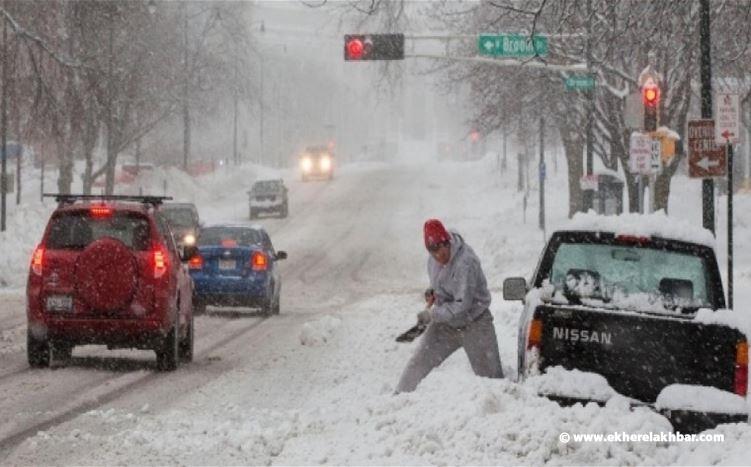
(633, 308)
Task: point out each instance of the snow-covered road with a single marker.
(314, 385)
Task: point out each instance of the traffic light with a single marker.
(359, 47)
(650, 93)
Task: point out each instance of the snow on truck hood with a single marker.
(657, 224)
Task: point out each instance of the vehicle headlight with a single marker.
(325, 164)
(189, 240)
(306, 164)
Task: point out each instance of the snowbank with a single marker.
(656, 224)
(557, 381)
(701, 399)
(319, 332)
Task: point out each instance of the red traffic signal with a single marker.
(354, 49)
(650, 94)
(360, 47)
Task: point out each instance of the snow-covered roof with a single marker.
(657, 224)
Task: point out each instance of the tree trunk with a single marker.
(574, 148)
(65, 176)
(662, 191)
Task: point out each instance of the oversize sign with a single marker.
(705, 158)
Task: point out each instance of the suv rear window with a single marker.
(220, 235)
(267, 186)
(76, 230)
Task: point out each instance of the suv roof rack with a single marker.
(70, 198)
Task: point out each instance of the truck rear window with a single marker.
(179, 217)
(76, 230)
(631, 277)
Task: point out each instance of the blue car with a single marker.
(236, 266)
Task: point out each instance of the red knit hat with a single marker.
(435, 233)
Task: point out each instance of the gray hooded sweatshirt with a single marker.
(460, 287)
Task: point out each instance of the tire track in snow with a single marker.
(105, 392)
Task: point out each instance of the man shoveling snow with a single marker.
(456, 314)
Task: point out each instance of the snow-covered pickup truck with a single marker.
(639, 301)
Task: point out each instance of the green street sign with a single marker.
(580, 82)
(512, 45)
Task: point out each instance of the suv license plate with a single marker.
(225, 264)
(59, 303)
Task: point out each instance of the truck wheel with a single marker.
(199, 308)
(186, 344)
(37, 351)
(167, 353)
(285, 211)
(253, 214)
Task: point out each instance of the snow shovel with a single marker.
(412, 333)
(415, 331)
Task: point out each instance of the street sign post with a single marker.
(727, 133)
(705, 158)
(512, 45)
(639, 161)
(728, 117)
(580, 82)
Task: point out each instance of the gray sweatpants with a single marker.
(440, 341)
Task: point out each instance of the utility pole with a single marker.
(17, 122)
(542, 174)
(588, 194)
(706, 107)
(235, 157)
(186, 109)
(504, 161)
(4, 128)
(262, 155)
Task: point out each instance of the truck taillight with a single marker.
(741, 368)
(196, 262)
(535, 334)
(159, 261)
(632, 240)
(37, 260)
(259, 262)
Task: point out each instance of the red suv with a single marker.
(108, 272)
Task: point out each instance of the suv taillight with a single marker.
(195, 262)
(37, 260)
(259, 262)
(740, 385)
(159, 260)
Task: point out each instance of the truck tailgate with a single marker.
(639, 354)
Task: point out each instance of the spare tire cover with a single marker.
(106, 275)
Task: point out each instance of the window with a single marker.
(76, 230)
(611, 271)
(179, 217)
(218, 235)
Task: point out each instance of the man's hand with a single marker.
(424, 316)
(429, 297)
